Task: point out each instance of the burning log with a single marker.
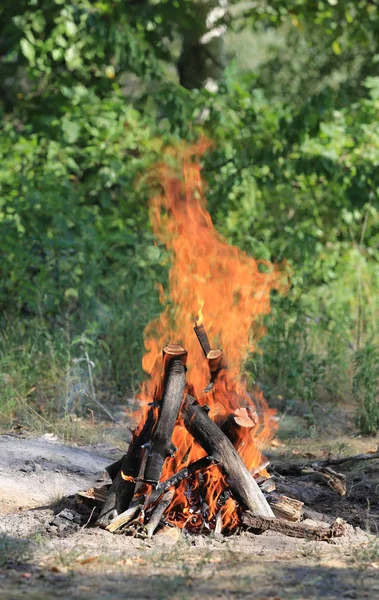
(260, 524)
(234, 425)
(216, 362)
(207, 433)
(123, 485)
(203, 338)
(161, 444)
(164, 486)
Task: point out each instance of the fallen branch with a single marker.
(298, 530)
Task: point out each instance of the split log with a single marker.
(161, 444)
(203, 338)
(164, 486)
(298, 530)
(124, 518)
(215, 443)
(123, 485)
(284, 507)
(158, 512)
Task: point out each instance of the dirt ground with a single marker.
(40, 559)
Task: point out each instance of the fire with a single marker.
(220, 286)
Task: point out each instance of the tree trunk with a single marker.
(202, 60)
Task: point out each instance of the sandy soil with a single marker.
(40, 559)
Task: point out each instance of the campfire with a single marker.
(195, 460)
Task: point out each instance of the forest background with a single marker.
(92, 93)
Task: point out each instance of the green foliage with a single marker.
(366, 388)
(91, 99)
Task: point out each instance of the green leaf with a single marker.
(28, 51)
(336, 48)
(70, 130)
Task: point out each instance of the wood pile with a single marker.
(139, 500)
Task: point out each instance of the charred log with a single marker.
(123, 485)
(161, 444)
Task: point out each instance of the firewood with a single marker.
(218, 523)
(215, 443)
(161, 444)
(242, 418)
(123, 486)
(284, 507)
(216, 362)
(267, 485)
(203, 338)
(114, 468)
(175, 350)
(299, 530)
(163, 486)
(96, 495)
(124, 518)
(157, 514)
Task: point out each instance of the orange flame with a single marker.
(219, 285)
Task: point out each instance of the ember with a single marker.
(196, 452)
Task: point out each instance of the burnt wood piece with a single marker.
(207, 433)
(203, 338)
(157, 514)
(284, 507)
(297, 530)
(114, 468)
(122, 490)
(161, 444)
(163, 486)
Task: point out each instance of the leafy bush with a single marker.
(366, 388)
